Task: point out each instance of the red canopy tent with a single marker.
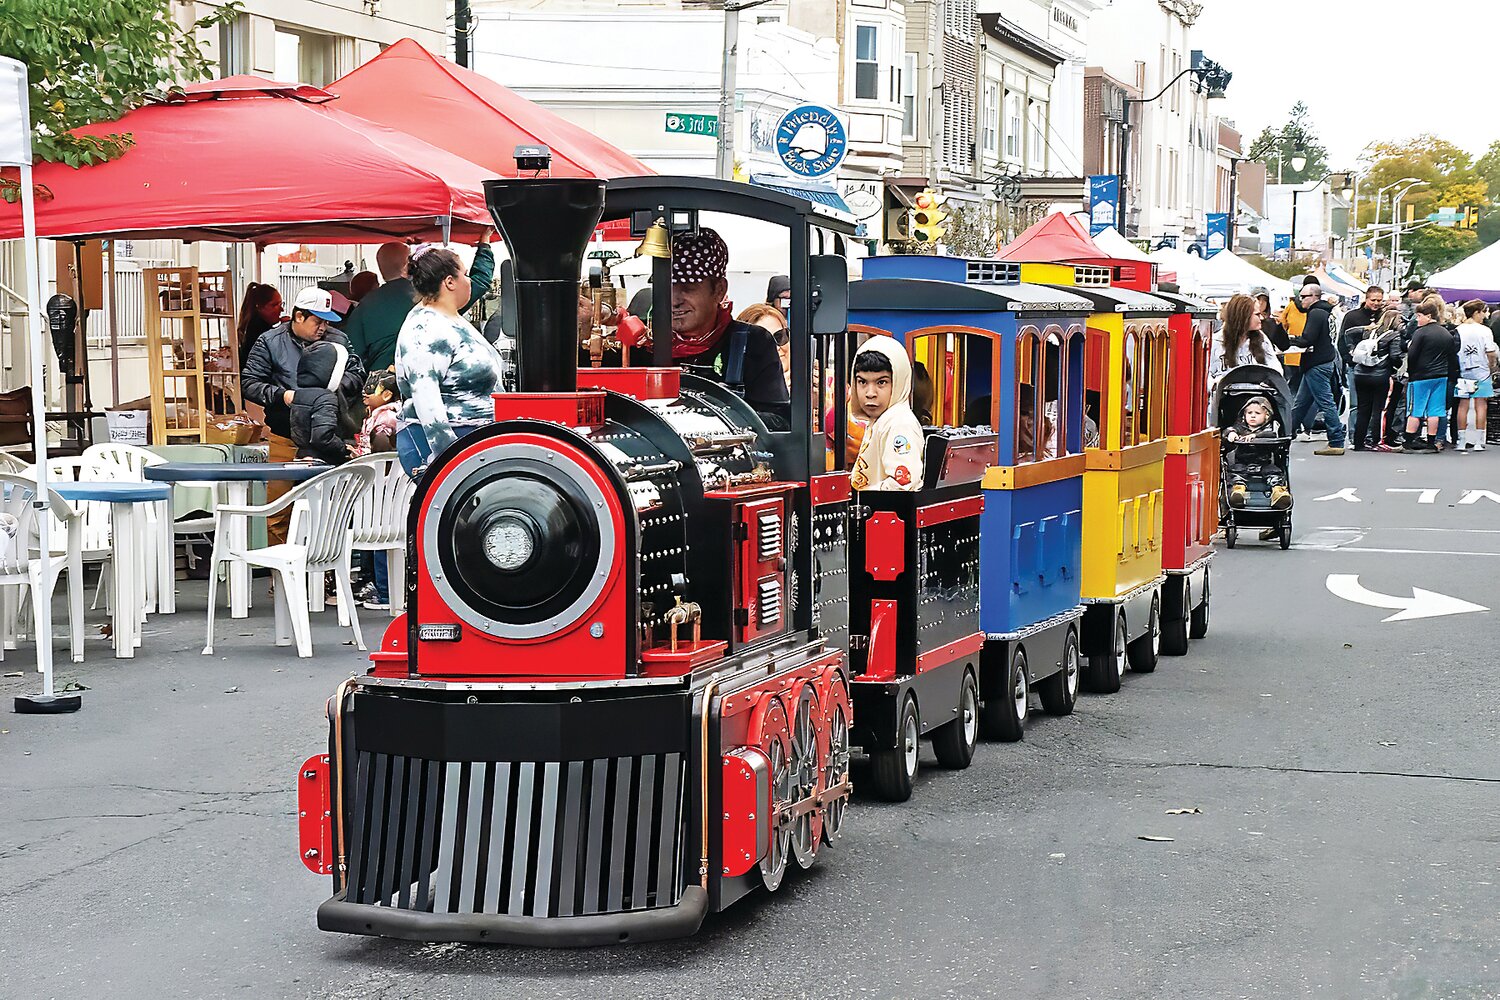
(408, 88)
(1055, 239)
(252, 160)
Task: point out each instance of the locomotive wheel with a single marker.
(954, 742)
(1107, 669)
(1004, 717)
(892, 772)
(1060, 691)
(776, 742)
(1198, 623)
(806, 829)
(1146, 649)
(836, 754)
(1174, 634)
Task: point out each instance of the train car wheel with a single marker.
(806, 829)
(892, 772)
(1198, 624)
(1060, 691)
(836, 758)
(1107, 669)
(1174, 633)
(954, 743)
(1004, 717)
(775, 740)
(1146, 649)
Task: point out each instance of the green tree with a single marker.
(1275, 149)
(1448, 173)
(93, 62)
(1433, 248)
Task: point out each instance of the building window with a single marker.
(1177, 86)
(1013, 125)
(1037, 157)
(909, 96)
(1156, 188)
(991, 118)
(866, 63)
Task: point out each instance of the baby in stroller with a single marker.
(1252, 467)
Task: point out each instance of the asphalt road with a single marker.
(1346, 770)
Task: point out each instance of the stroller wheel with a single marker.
(1231, 535)
(1286, 534)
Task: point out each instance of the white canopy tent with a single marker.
(1477, 276)
(1185, 265)
(1225, 274)
(1115, 245)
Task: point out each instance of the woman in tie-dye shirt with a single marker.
(446, 369)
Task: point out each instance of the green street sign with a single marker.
(693, 124)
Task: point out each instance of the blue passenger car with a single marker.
(1005, 356)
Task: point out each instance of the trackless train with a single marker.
(648, 625)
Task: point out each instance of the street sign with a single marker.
(811, 141)
(692, 124)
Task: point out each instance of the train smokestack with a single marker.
(546, 225)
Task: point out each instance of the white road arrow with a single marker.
(1421, 603)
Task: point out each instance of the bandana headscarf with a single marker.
(700, 256)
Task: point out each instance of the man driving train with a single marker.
(707, 338)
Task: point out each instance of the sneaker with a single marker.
(1237, 496)
(1333, 449)
(1281, 498)
(1305, 436)
(365, 593)
(1477, 444)
(1419, 447)
(376, 604)
(1382, 446)
(1267, 534)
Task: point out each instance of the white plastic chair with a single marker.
(317, 542)
(380, 520)
(12, 465)
(129, 464)
(96, 539)
(32, 573)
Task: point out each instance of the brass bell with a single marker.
(657, 242)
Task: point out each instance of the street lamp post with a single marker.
(1396, 226)
(1346, 174)
(1209, 74)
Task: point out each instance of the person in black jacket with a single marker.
(1319, 359)
(1366, 315)
(269, 378)
(1371, 367)
(323, 420)
(1427, 368)
(707, 340)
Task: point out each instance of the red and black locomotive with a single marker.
(619, 697)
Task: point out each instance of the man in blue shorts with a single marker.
(1427, 367)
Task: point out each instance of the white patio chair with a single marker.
(95, 514)
(23, 572)
(130, 463)
(380, 520)
(317, 542)
(12, 464)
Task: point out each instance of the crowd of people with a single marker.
(1414, 373)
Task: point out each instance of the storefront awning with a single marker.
(826, 197)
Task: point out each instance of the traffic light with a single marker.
(1470, 219)
(927, 215)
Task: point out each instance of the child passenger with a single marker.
(1257, 422)
(890, 454)
(323, 421)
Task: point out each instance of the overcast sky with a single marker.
(1372, 69)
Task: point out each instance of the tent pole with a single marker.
(114, 332)
(47, 702)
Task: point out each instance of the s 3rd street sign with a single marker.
(693, 124)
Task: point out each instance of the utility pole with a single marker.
(727, 85)
(461, 31)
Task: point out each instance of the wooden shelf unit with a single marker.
(193, 350)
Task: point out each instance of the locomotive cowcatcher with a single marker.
(618, 698)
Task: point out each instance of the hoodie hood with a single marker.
(1320, 304)
(322, 366)
(892, 351)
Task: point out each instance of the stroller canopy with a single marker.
(1239, 384)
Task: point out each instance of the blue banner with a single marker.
(1283, 241)
(1104, 203)
(1218, 233)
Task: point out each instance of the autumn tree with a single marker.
(93, 62)
(1298, 137)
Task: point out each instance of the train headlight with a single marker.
(509, 541)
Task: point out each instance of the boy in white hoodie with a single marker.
(890, 456)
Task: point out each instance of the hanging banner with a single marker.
(15, 143)
(1218, 232)
(1104, 203)
(1283, 242)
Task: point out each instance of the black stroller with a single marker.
(1259, 464)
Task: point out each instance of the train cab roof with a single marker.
(1122, 300)
(927, 295)
(1188, 304)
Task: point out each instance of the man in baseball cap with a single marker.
(316, 302)
(707, 337)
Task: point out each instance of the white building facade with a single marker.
(1147, 44)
